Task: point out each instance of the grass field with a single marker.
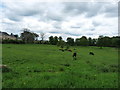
(44, 66)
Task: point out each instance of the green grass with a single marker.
(87, 71)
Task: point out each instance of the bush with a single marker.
(12, 41)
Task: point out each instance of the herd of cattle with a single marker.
(5, 68)
(69, 50)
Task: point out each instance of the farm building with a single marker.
(4, 36)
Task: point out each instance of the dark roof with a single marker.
(4, 33)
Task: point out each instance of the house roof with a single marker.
(4, 33)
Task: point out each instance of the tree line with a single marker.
(101, 41)
(30, 37)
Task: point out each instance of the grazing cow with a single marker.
(74, 55)
(91, 53)
(70, 50)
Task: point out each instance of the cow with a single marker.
(91, 53)
(70, 50)
(74, 55)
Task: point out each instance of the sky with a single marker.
(66, 19)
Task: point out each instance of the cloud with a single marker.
(75, 26)
(95, 23)
(111, 10)
(74, 8)
(65, 19)
(91, 9)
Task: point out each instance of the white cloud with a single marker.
(66, 19)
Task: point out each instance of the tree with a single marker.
(100, 42)
(60, 38)
(36, 36)
(83, 41)
(90, 41)
(61, 43)
(42, 35)
(107, 42)
(77, 41)
(70, 41)
(94, 41)
(27, 36)
(51, 40)
(115, 41)
(55, 40)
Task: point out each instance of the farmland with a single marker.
(45, 66)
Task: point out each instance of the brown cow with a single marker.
(70, 50)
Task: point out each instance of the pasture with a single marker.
(45, 66)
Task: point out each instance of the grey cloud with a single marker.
(28, 13)
(13, 15)
(55, 32)
(69, 9)
(54, 18)
(78, 25)
(91, 14)
(15, 18)
(72, 34)
(90, 34)
(111, 14)
(21, 10)
(90, 9)
(75, 27)
(17, 15)
(74, 8)
(111, 10)
(92, 29)
(96, 23)
(94, 9)
(67, 33)
(7, 23)
(57, 25)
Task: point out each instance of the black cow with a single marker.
(91, 53)
(74, 55)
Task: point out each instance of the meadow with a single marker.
(45, 66)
